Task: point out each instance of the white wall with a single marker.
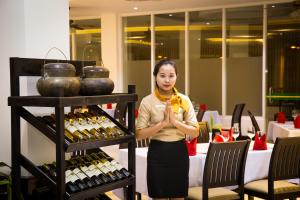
(31, 28)
(109, 45)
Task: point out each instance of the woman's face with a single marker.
(166, 77)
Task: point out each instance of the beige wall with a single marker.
(31, 28)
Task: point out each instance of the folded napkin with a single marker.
(281, 117)
(219, 138)
(260, 143)
(191, 146)
(297, 122)
(202, 106)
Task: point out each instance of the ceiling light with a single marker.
(170, 15)
(135, 8)
(207, 23)
(273, 6)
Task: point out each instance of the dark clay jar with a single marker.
(95, 81)
(58, 79)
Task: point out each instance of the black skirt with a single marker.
(167, 169)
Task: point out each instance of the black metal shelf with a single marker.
(32, 67)
(28, 165)
(70, 147)
(40, 101)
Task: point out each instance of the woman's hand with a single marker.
(173, 120)
(166, 120)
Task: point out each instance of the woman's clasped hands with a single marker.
(169, 117)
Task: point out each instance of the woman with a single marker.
(167, 116)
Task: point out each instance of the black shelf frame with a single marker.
(32, 67)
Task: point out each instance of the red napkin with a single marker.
(202, 106)
(219, 138)
(297, 122)
(260, 143)
(281, 117)
(109, 106)
(136, 113)
(191, 146)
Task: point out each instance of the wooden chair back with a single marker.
(225, 166)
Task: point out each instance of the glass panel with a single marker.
(205, 43)
(86, 39)
(244, 58)
(169, 42)
(283, 57)
(137, 54)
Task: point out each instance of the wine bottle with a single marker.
(104, 169)
(50, 170)
(111, 168)
(72, 119)
(71, 179)
(88, 125)
(93, 165)
(116, 164)
(84, 179)
(49, 121)
(90, 172)
(97, 123)
(75, 132)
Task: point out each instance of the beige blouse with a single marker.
(151, 112)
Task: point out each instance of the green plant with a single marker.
(5, 180)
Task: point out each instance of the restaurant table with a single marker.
(286, 129)
(257, 165)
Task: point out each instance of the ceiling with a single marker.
(93, 8)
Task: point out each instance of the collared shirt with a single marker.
(151, 112)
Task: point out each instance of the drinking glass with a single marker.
(251, 132)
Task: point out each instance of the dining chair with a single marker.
(237, 115)
(203, 133)
(120, 112)
(253, 121)
(284, 165)
(224, 166)
(200, 114)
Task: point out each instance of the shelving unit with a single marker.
(32, 67)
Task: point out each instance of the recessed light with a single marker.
(135, 8)
(273, 6)
(207, 23)
(170, 15)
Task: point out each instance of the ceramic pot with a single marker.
(95, 81)
(58, 79)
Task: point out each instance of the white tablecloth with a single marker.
(257, 165)
(287, 129)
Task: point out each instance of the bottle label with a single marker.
(111, 168)
(76, 171)
(68, 173)
(89, 173)
(104, 169)
(72, 178)
(97, 172)
(99, 165)
(81, 175)
(117, 165)
(84, 168)
(92, 167)
(72, 129)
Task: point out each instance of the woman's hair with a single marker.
(164, 62)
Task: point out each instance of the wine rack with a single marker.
(32, 67)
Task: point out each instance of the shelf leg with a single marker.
(15, 153)
(132, 144)
(60, 152)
